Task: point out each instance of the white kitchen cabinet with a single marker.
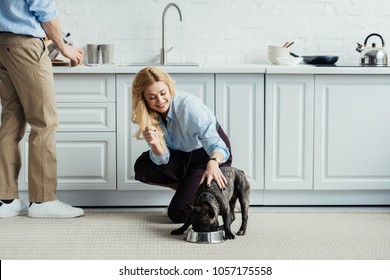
(289, 132)
(85, 161)
(327, 133)
(352, 132)
(240, 111)
(129, 148)
(86, 135)
(301, 138)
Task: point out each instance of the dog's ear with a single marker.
(206, 207)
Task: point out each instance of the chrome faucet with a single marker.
(163, 52)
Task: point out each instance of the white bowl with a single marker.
(289, 60)
(272, 48)
(275, 51)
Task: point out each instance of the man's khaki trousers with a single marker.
(27, 96)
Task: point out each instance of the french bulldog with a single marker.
(210, 202)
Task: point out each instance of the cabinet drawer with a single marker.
(85, 87)
(85, 161)
(86, 117)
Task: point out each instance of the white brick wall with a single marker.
(226, 31)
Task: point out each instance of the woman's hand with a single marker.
(153, 138)
(214, 173)
(151, 135)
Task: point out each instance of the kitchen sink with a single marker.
(158, 64)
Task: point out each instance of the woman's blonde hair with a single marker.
(141, 113)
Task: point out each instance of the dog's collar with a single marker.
(207, 194)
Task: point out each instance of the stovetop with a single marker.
(351, 65)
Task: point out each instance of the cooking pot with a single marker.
(372, 56)
(318, 59)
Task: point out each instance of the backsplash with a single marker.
(225, 31)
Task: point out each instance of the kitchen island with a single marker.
(304, 135)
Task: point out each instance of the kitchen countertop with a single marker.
(327, 70)
(227, 68)
(118, 69)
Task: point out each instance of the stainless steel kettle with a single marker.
(372, 56)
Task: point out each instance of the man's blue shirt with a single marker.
(24, 17)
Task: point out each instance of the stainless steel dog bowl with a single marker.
(204, 237)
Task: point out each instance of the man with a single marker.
(28, 96)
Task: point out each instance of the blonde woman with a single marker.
(187, 145)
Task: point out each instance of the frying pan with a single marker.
(318, 59)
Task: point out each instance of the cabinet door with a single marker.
(85, 161)
(289, 132)
(129, 148)
(352, 137)
(240, 111)
(200, 85)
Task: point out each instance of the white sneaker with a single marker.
(54, 209)
(15, 208)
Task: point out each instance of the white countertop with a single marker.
(224, 68)
(327, 70)
(227, 68)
